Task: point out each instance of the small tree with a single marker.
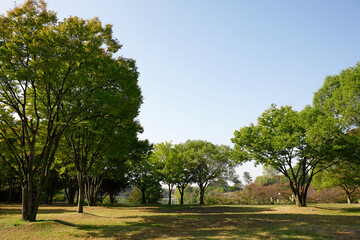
(344, 175)
(208, 163)
(162, 159)
(247, 178)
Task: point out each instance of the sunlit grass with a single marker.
(321, 221)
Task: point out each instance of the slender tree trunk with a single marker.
(170, 189)
(77, 196)
(143, 196)
(182, 191)
(348, 197)
(10, 191)
(81, 192)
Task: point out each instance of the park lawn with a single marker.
(321, 221)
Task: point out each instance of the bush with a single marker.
(106, 200)
(221, 201)
(59, 197)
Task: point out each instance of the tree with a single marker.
(345, 175)
(112, 185)
(208, 162)
(270, 176)
(49, 71)
(297, 144)
(339, 96)
(143, 172)
(162, 158)
(181, 169)
(247, 178)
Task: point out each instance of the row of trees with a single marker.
(65, 100)
(193, 162)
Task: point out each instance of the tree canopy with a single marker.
(52, 72)
(297, 144)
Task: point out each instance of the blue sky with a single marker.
(208, 68)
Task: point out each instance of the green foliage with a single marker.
(55, 75)
(247, 178)
(339, 96)
(208, 163)
(344, 175)
(153, 195)
(297, 144)
(191, 195)
(59, 197)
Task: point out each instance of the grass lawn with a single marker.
(321, 221)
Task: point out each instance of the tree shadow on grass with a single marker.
(226, 222)
(350, 209)
(204, 209)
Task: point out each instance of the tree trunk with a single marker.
(170, 189)
(348, 197)
(202, 193)
(300, 200)
(181, 191)
(30, 201)
(143, 196)
(112, 198)
(10, 192)
(70, 190)
(81, 192)
(92, 189)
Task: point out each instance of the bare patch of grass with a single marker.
(323, 221)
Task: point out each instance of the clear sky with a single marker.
(208, 68)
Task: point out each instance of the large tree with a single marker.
(50, 72)
(339, 97)
(297, 144)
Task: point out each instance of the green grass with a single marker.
(321, 221)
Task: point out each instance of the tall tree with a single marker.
(297, 144)
(339, 97)
(49, 71)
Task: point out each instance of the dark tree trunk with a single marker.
(30, 202)
(10, 191)
(170, 189)
(70, 190)
(202, 194)
(182, 191)
(81, 192)
(143, 196)
(112, 198)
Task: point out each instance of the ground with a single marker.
(321, 221)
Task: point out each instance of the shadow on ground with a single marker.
(225, 222)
